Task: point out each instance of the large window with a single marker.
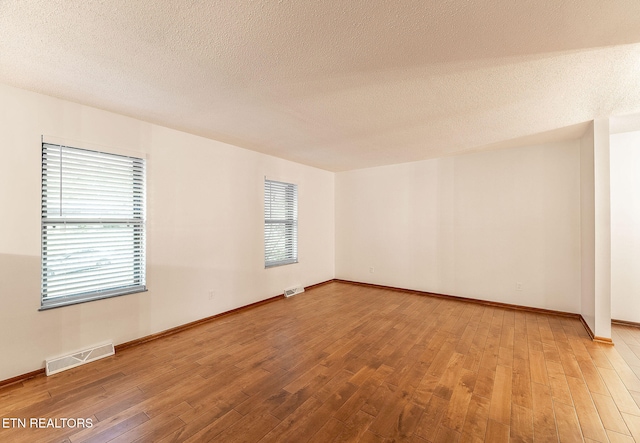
(280, 223)
(93, 233)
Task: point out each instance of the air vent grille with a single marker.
(293, 291)
(55, 365)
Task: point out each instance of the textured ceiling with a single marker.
(335, 84)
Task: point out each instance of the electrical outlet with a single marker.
(518, 286)
(210, 295)
(371, 270)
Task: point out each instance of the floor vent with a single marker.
(55, 365)
(293, 291)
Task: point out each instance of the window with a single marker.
(93, 233)
(280, 223)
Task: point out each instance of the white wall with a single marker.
(204, 230)
(587, 229)
(473, 225)
(602, 183)
(595, 220)
(625, 226)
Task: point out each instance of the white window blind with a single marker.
(280, 223)
(93, 225)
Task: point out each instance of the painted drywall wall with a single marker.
(595, 234)
(602, 186)
(587, 229)
(204, 230)
(501, 225)
(625, 226)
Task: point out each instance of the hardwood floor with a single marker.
(349, 363)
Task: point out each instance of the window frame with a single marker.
(290, 223)
(133, 226)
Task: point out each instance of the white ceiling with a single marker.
(337, 84)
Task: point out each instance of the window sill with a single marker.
(77, 299)
(275, 265)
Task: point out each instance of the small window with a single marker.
(93, 225)
(280, 223)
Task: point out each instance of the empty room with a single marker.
(376, 221)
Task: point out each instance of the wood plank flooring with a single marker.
(350, 363)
